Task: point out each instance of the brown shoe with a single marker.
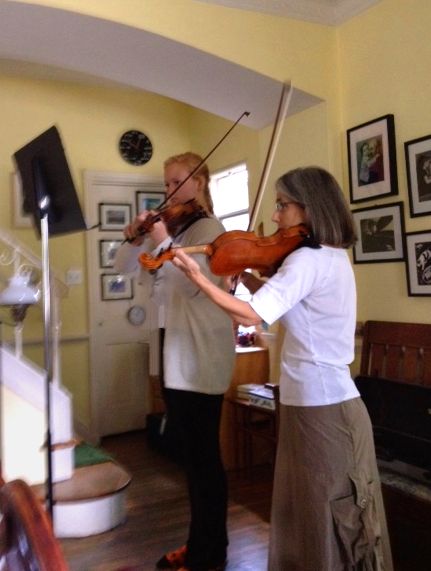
(173, 559)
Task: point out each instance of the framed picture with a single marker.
(418, 163)
(148, 200)
(107, 251)
(116, 286)
(114, 216)
(20, 218)
(418, 262)
(372, 159)
(380, 232)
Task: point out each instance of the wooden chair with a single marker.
(397, 351)
(27, 541)
(396, 354)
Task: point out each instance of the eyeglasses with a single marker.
(280, 206)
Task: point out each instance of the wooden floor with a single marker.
(158, 515)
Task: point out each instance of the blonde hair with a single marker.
(191, 161)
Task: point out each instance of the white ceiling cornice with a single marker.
(327, 12)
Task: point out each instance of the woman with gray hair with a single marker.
(327, 509)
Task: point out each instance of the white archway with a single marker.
(50, 42)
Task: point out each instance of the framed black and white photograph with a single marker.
(371, 151)
(114, 216)
(21, 219)
(107, 251)
(380, 232)
(116, 286)
(148, 200)
(418, 262)
(418, 168)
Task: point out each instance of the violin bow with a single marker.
(283, 106)
(198, 166)
(285, 99)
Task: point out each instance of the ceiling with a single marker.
(38, 41)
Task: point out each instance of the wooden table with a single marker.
(251, 366)
(253, 426)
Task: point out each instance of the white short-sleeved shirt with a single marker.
(314, 295)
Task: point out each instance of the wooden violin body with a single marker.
(235, 251)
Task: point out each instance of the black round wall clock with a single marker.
(135, 147)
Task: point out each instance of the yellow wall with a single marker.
(384, 62)
(370, 66)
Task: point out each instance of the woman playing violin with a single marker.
(327, 511)
(198, 356)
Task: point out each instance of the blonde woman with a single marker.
(198, 359)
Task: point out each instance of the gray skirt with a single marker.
(327, 507)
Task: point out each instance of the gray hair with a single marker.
(327, 213)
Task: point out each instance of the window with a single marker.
(229, 191)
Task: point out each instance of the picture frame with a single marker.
(380, 231)
(107, 251)
(371, 151)
(116, 286)
(418, 169)
(418, 263)
(20, 218)
(114, 216)
(148, 200)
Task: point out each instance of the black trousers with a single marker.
(196, 418)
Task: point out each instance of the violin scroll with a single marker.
(153, 263)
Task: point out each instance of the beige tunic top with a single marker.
(199, 350)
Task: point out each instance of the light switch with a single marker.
(74, 276)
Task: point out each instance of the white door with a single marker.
(119, 350)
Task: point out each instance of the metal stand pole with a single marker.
(48, 362)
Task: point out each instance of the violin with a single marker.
(237, 250)
(176, 217)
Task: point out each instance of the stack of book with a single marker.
(258, 395)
